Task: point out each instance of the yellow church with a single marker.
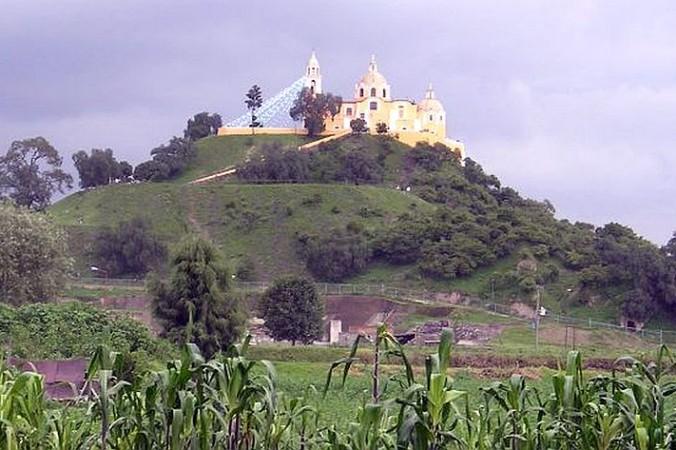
(406, 120)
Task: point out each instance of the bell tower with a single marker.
(313, 76)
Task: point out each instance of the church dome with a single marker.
(373, 83)
(430, 103)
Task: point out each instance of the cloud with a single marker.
(571, 101)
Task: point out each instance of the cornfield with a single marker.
(232, 403)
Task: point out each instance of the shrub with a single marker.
(129, 249)
(335, 256)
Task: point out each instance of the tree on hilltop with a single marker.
(202, 125)
(100, 168)
(30, 173)
(195, 305)
(169, 160)
(292, 310)
(314, 109)
(254, 100)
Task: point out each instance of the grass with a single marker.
(339, 405)
(218, 152)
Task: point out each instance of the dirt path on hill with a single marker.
(191, 216)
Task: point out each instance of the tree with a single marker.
(195, 305)
(175, 155)
(292, 310)
(30, 173)
(33, 262)
(254, 100)
(169, 160)
(358, 125)
(131, 248)
(314, 109)
(151, 171)
(99, 168)
(381, 128)
(202, 125)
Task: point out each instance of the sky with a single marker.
(570, 101)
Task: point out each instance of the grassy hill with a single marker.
(465, 231)
(259, 221)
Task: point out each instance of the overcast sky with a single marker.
(571, 101)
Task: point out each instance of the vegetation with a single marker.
(70, 330)
(254, 100)
(202, 125)
(335, 255)
(358, 125)
(233, 403)
(293, 311)
(195, 305)
(100, 168)
(33, 261)
(30, 173)
(169, 161)
(129, 249)
(314, 109)
(448, 227)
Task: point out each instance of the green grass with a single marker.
(158, 203)
(218, 152)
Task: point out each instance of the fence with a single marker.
(430, 298)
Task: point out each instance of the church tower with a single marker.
(313, 77)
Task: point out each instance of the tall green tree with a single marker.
(195, 304)
(99, 167)
(202, 125)
(292, 310)
(129, 249)
(33, 261)
(254, 100)
(314, 109)
(30, 173)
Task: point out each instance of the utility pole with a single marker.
(537, 319)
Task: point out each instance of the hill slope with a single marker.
(457, 229)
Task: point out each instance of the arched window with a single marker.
(361, 92)
(441, 118)
(384, 93)
(431, 117)
(373, 92)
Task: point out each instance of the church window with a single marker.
(441, 117)
(373, 92)
(348, 112)
(401, 112)
(361, 92)
(362, 115)
(384, 93)
(431, 117)
(373, 106)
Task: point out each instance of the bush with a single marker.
(358, 125)
(335, 256)
(129, 249)
(71, 330)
